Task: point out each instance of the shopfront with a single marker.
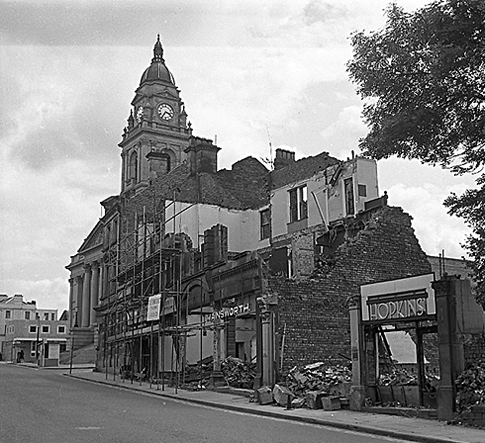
(436, 316)
(400, 314)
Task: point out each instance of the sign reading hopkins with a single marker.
(405, 299)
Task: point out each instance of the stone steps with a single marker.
(84, 355)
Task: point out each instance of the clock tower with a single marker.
(157, 132)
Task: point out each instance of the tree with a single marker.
(422, 79)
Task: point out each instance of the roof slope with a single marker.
(304, 168)
(243, 187)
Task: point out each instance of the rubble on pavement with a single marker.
(470, 385)
(318, 377)
(238, 373)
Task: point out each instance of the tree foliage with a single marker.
(422, 78)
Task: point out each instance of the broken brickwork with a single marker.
(380, 245)
(474, 349)
(303, 253)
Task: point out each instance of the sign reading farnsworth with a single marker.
(154, 307)
(405, 299)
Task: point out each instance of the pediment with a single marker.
(95, 238)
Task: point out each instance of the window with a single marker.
(53, 316)
(27, 315)
(45, 329)
(349, 196)
(33, 349)
(133, 166)
(7, 314)
(33, 329)
(298, 204)
(61, 329)
(265, 221)
(362, 190)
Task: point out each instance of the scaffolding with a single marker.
(144, 258)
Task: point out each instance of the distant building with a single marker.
(35, 334)
(442, 265)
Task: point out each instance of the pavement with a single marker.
(400, 427)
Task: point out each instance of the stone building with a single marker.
(38, 334)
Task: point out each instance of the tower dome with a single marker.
(157, 70)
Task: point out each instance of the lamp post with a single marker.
(37, 340)
(201, 332)
(72, 343)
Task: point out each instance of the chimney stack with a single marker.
(283, 158)
(202, 155)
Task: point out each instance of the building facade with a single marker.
(249, 262)
(30, 334)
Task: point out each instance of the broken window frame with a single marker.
(265, 223)
(349, 196)
(298, 203)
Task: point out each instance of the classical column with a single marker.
(86, 296)
(79, 301)
(101, 281)
(71, 302)
(94, 292)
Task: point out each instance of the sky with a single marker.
(252, 74)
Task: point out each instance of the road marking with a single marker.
(88, 428)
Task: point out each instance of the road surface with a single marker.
(38, 405)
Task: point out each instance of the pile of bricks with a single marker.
(315, 386)
(238, 374)
(317, 377)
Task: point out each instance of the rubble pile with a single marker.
(317, 377)
(470, 386)
(197, 375)
(238, 374)
(399, 376)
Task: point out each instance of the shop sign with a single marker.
(398, 300)
(169, 306)
(153, 313)
(230, 312)
(397, 306)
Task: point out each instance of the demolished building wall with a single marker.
(313, 311)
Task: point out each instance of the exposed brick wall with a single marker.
(474, 349)
(302, 249)
(315, 310)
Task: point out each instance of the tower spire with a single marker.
(157, 51)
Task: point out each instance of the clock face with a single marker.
(165, 112)
(139, 114)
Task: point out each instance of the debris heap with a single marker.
(398, 376)
(470, 386)
(317, 377)
(238, 374)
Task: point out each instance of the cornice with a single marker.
(137, 133)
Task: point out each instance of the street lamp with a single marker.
(72, 341)
(37, 340)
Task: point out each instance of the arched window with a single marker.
(169, 163)
(133, 166)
